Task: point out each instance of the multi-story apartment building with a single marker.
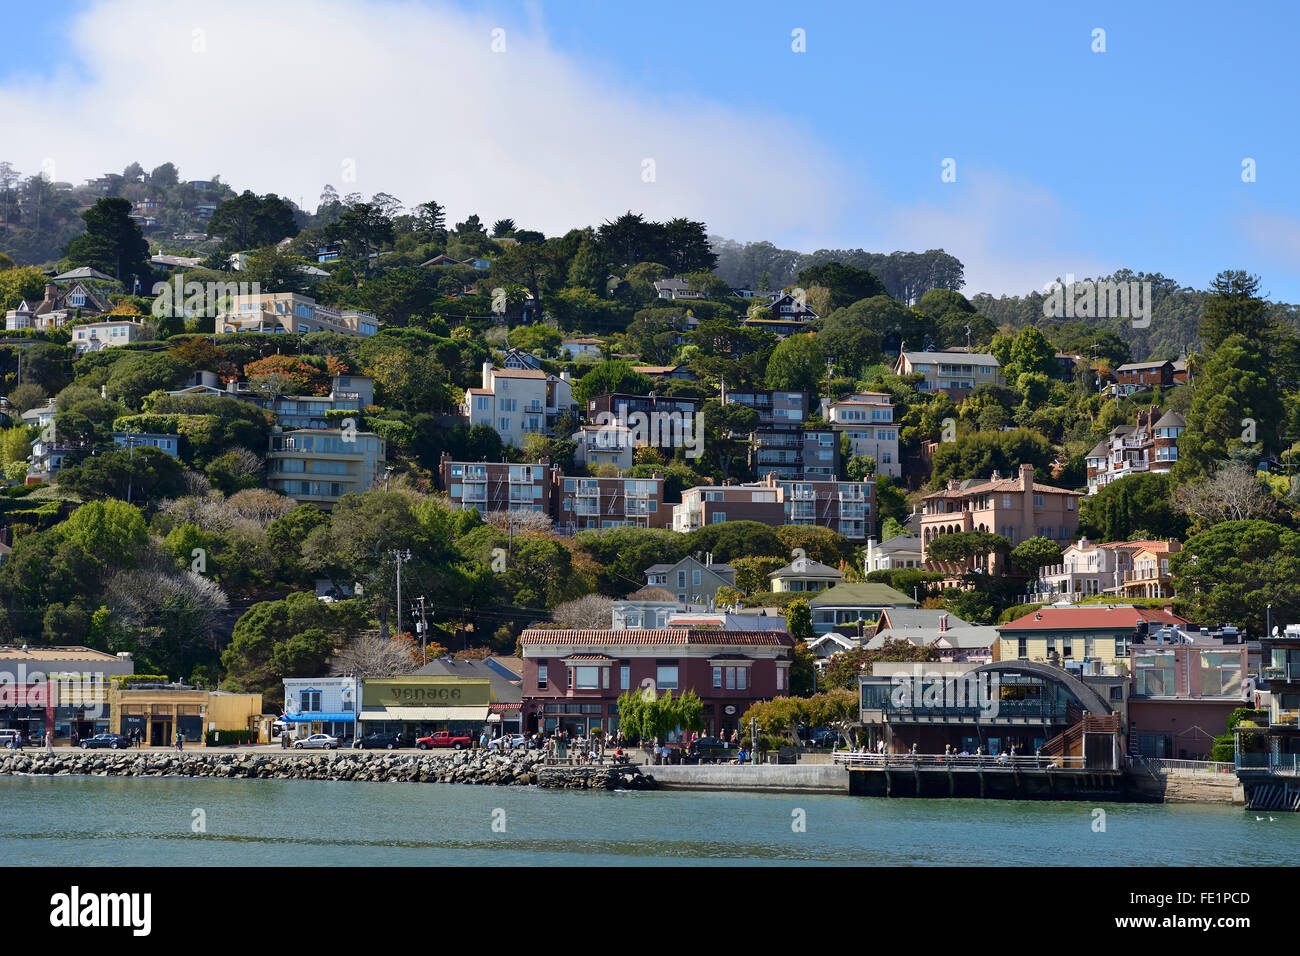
(583, 504)
(321, 465)
(868, 419)
(619, 406)
(1016, 508)
(777, 410)
(847, 507)
(713, 504)
(956, 373)
(291, 312)
(1151, 445)
(347, 393)
(497, 486)
(611, 444)
(104, 335)
(518, 402)
(805, 454)
(573, 678)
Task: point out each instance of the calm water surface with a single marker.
(70, 821)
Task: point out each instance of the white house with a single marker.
(103, 335)
(517, 402)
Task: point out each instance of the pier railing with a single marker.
(1162, 765)
(871, 761)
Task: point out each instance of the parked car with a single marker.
(514, 741)
(8, 736)
(111, 741)
(443, 738)
(378, 742)
(317, 742)
(825, 738)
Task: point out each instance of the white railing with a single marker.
(1162, 765)
(864, 760)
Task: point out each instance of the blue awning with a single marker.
(319, 718)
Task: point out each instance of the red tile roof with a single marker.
(1101, 617)
(668, 635)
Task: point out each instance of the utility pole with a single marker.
(424, 632)
(401, 557)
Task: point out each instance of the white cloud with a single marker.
(280, 96)
(1012, 236)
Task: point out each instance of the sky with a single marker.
(1066, 151)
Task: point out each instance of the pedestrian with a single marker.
(18, 741)
(49, 742)
(179, 739)
(75, 739)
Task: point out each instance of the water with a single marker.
(72, 821)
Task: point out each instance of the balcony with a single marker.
(803, 496)
(1285, 718)
(1289, 673)
(855, 494)
(852, 513)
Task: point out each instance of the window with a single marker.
(1006, 501)
(780, 678)
(586, 678)
(1155, 675)
(310, 701)
(697, 578)
(731, 678)
(541, 676)
(625, 677)
(717, 678)
(666, 676)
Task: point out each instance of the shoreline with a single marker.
(528, 768)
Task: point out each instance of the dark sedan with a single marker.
(111, 741)
(378, 742)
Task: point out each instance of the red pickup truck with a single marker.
(443, 738)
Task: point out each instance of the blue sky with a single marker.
(1067, 160)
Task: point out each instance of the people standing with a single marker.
(179, 739)
(49, 742)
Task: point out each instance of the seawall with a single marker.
(519, 768)
(774, 778)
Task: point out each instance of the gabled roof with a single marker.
(807, 567)
(864, 595)
(1138, 365)
(85, 272)
(920, 617)
(518, 373)
(1098, 617)
(952, 358)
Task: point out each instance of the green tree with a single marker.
(797, 364)
(1233, 571)
(607, 378)
(1236, 403)
(252, 222)
(798, 619)
(1033, 553)
(112, 243)
(294, 637)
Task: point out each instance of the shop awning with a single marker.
(319, 718)
(428, 714)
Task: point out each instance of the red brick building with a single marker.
(573, 678)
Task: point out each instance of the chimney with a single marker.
(1026, 477)
(995, 476)
(51, 290)
(487, 375)
(943, 623)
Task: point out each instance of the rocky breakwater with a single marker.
(519, 768)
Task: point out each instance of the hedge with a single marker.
(227, 737)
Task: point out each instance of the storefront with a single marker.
(418, 705)
(59, 690)
(321, 705)
(157, 712)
